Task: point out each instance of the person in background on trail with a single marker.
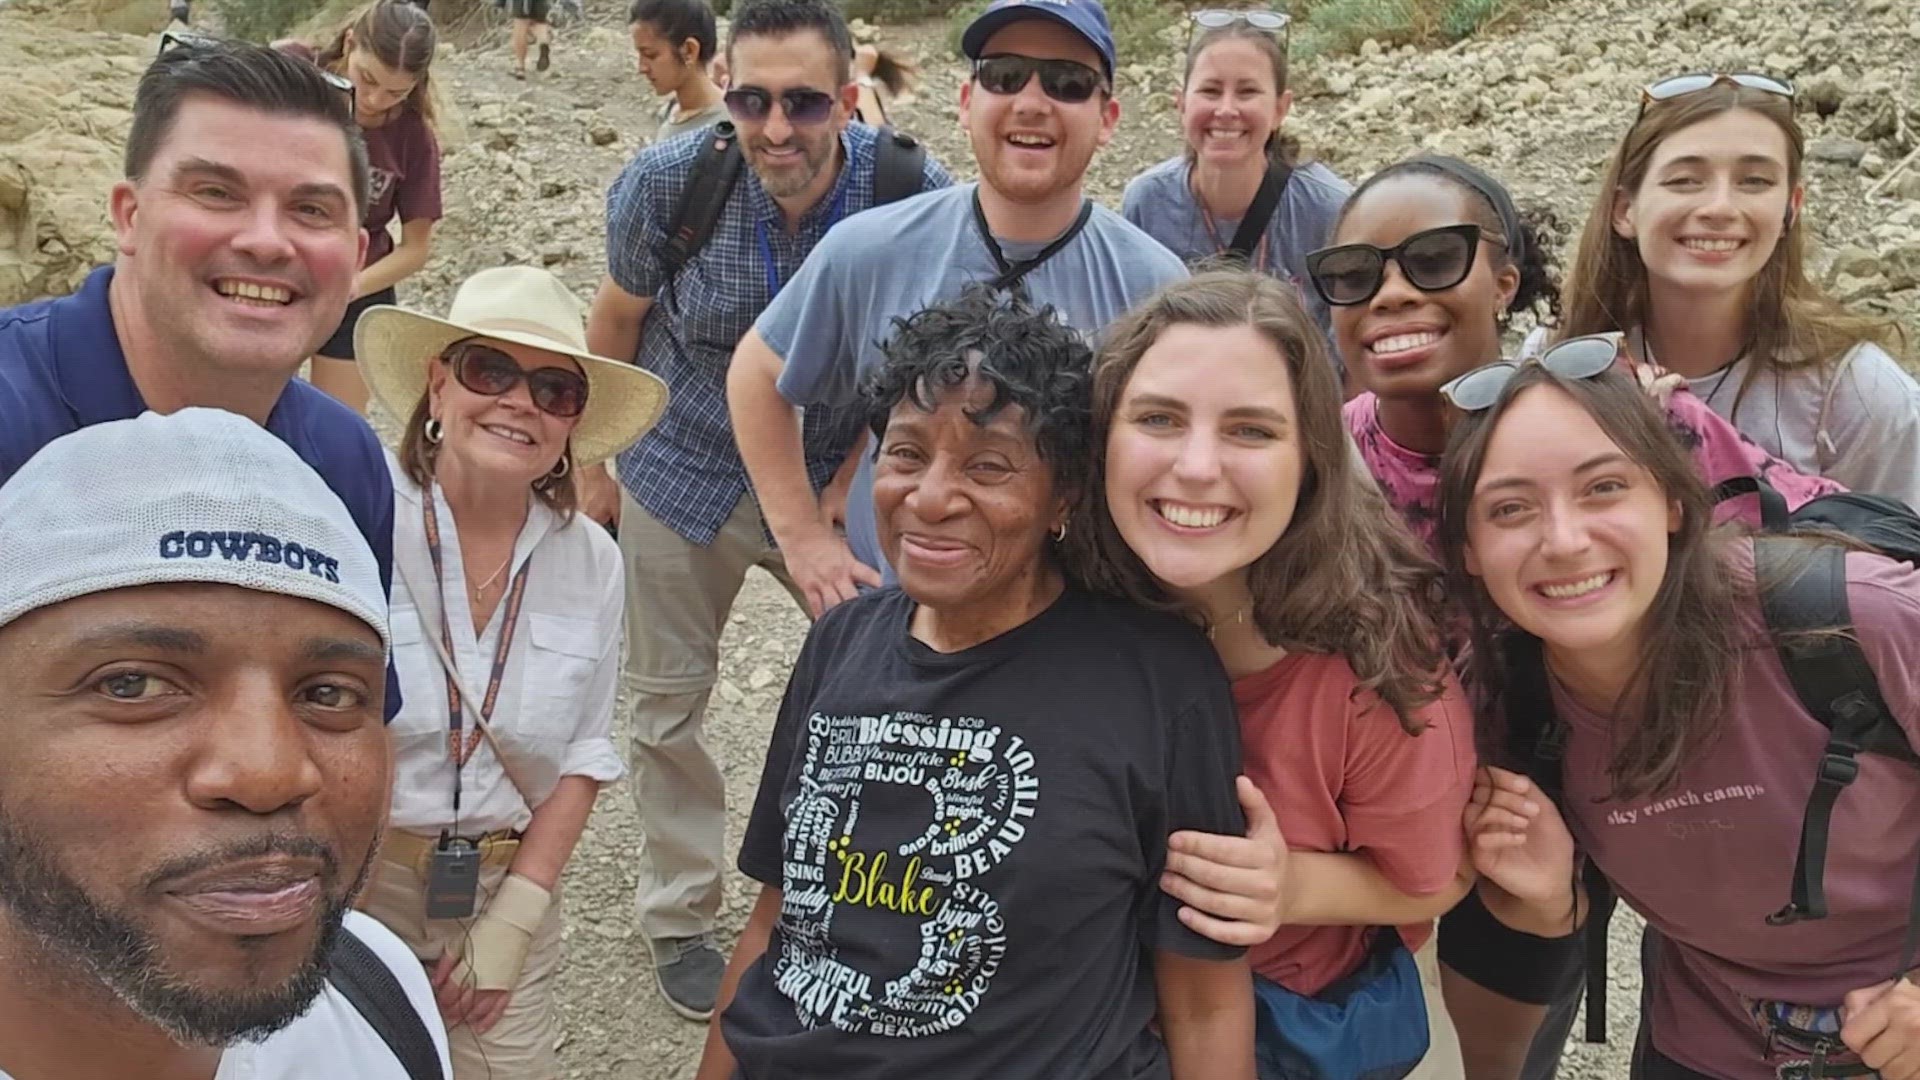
(1036, 106)
(179, 11)
(195, 775)
(238, 229)
(1224, 490)
(676, 42)
(499, 577)
(1232, 103)
(689, 527)
(530, 27)
(964, 810)
(1430, 259)
(1578, 533)
(875, 69)
(1696, 246)
(386, 50)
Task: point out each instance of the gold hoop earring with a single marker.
(1060, 534)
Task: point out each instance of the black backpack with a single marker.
(363, 978)
(898, 167)
(1829, 673)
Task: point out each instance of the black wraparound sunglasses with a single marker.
(1575, 358)
(1065, 81)
(492, 372)
(1432, 260)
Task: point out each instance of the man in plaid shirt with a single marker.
(689, 526)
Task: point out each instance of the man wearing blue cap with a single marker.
(1038, 106)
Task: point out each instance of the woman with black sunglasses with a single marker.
(1430, 260)
(506, 626)
(1578, 534)
(1696, 246)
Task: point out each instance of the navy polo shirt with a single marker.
(61, 369)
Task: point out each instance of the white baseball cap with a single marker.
(200, 495)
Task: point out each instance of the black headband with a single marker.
(1490, 189)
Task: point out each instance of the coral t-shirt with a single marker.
(1411, 480)
(1342, 775)
(1709, 858)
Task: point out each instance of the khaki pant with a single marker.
(1443, 1046)
(520, 1045)
(679, 595)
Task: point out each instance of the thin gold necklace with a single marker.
(481, 588)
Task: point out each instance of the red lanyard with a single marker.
(460, 746)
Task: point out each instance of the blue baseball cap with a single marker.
(1084, 17)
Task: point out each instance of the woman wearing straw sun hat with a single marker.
(507, 637)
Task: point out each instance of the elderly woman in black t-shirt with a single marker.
(963, 818)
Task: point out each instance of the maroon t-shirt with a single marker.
(406, 177)
(405, 161)
(1707, 860)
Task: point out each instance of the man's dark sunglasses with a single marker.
(1433, 260)
(1575, 358)
(187, 39)
(1065, 81)
(1693, 82)
(491, 372)
(801, 106)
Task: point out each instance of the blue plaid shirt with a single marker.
(687, 471)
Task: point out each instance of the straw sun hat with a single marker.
(527, 306)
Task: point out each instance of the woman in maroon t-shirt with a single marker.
(386, 50)
(1579, 534)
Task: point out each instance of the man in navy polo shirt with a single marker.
(238, 226)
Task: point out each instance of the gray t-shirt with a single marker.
(1161, 202)
(707, 117)
(1857, 421)
(892, 261)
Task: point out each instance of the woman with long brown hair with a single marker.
(1580, 537)
(387, 50)
(1696, 245)
(1224, 488)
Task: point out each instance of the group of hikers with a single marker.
(1222, 664)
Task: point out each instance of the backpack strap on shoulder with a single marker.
(899, 165)
(708, 186)
(354, 969)
(1259, 212)
(1773, 506)
(1834, 682)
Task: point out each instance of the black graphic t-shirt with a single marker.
(968, 845)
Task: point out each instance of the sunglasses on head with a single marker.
(1066, 81)
(800, 105)
(1575, 358)
(492, 372)
(1433, 260)
(187, 39)
(1693, 82)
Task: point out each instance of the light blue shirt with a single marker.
(892, 261)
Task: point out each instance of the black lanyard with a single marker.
(1011, 273)
(460, 743)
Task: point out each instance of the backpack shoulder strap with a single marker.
(708, 186)
(1260, 211)
(363, 978)
(899, 162)
(1834, 682)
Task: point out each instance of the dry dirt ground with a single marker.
(1539, 99)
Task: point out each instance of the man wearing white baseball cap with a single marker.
(195, 642)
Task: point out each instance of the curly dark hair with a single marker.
(1032, 360)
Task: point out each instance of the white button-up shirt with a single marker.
(554, 713)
